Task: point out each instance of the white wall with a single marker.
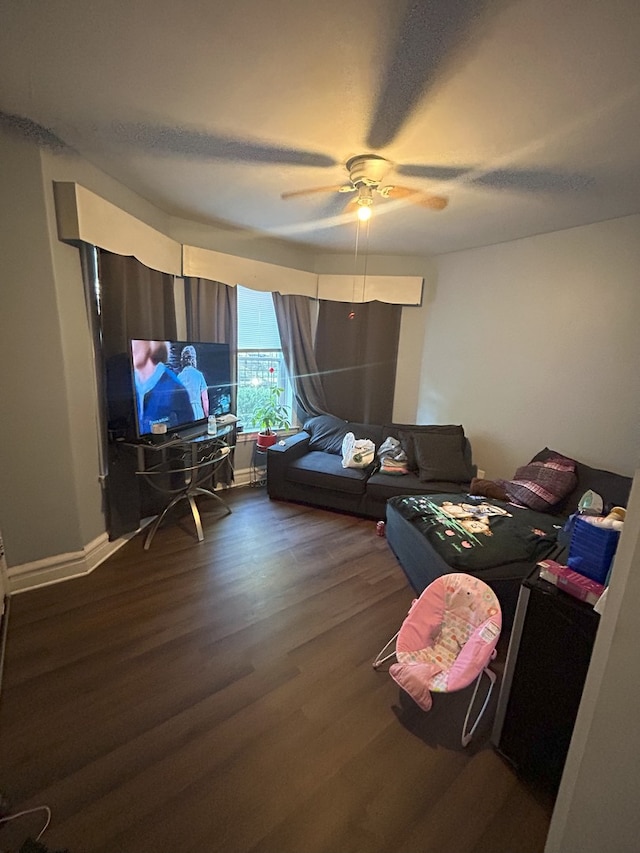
(38, 499)
(51, 501)
(535, 343)
(77, 362)
(411, 352)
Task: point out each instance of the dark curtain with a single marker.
(356, 352)
(135, 302)
(293, 314)
(211, 311)
(212, 315)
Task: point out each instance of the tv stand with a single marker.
(180, 467)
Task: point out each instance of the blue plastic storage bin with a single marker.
(591, 549)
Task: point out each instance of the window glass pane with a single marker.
(257, 326)
(260, 362)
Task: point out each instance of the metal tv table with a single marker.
(182, 466)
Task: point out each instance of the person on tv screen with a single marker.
(194, 381)
(160, 396)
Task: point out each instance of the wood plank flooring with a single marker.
(219, 696)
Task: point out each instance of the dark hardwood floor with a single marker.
(220, 697)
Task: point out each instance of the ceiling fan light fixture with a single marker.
(364, 200)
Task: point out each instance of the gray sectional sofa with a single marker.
(307, 467)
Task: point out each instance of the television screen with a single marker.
(179, 383)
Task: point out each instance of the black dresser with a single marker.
(547, 662)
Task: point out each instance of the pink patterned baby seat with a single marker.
(447, 641)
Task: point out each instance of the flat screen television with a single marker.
(178, 383)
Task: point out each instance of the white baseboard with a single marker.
(62, 567)
(75, 564)
(242, 477)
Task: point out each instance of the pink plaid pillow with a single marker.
(542, 485)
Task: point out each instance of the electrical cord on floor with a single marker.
(24, 812)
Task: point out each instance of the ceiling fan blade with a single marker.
(311, 191)
(433, 173)
(534, 180)
(427, 41)
(433, 202)
(196, 144)
(531, 180)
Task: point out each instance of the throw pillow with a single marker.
(614, 488)
(441, 457)
(542, 484)
(327, 433)
(406, 432)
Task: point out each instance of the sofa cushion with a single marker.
(381, 486)
(405, 433)
(370, 431)
(440, 456)
(324, 470)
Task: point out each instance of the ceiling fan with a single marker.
(366, 177)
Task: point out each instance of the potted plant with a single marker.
(271, 415)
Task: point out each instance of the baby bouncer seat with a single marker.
(447, 640)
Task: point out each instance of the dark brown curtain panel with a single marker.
(136, 302)
(293, 315)
(212, 315)
(356, 353)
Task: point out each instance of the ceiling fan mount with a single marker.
(367, 170)
(366, 175)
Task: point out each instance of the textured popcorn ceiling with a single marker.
(526, 115)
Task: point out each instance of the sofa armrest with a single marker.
(280, 456)
(294, 447)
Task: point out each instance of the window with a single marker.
(260, 361)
